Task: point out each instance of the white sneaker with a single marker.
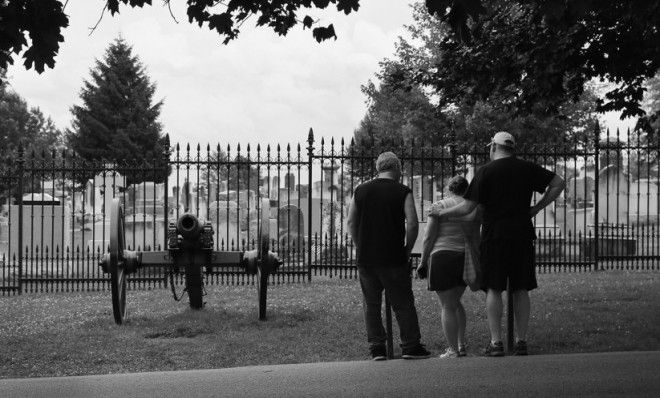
(449, 353)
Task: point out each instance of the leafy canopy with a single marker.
(44, 20)
(21, 125)
(523, 53)
(409, 117)
(535, 53)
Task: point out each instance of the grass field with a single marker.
(60, 334)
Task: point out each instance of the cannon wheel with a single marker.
(117, 262)
(263, 267)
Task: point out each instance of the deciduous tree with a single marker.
(524, 53)
(27, 127)
(533, 54)
(24, 125)
(399, 115)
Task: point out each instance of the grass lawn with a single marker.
(60, 334)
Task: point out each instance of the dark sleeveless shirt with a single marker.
(381, 223)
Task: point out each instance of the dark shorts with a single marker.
(446, 270)
(502, 258)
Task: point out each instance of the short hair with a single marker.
(457, 185)
(388, 161)
(506, 149)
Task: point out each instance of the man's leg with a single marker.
(372, 293)
(524, 280)
(494, 313)
(398, 287)
(521, 310)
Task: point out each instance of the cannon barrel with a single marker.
(189, 227)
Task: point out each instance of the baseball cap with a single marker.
(503, 138)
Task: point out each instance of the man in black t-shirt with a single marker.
(504, 188)
(383, 223)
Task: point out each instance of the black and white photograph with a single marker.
(329, 198)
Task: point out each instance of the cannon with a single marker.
(190, 247)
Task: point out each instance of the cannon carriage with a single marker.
(189, 248)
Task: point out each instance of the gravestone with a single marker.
(644, 203)
(46, 224)
(612, 195)
(291, 223)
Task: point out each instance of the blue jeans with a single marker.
(397, 283)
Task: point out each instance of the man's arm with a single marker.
(352, 221)
(555, 187)
(412, 225)
(460, 210)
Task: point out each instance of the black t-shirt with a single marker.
(381, 223)
(504, 187)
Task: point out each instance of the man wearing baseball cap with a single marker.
(504, 187)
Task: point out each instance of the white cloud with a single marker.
(259, 88)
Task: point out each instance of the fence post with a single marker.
(310, 155)
(20, 171)
(452, 149)
(166, 205)
(596, 167)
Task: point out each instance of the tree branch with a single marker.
(92, 29)
(169, 7)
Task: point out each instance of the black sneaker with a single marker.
(462, 350)
(416, 352)
(378, 353)
(495, 349)
(520, 348)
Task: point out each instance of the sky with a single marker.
(261, 88)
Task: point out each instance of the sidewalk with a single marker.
(629, 374)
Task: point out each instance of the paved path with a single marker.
(624, 374)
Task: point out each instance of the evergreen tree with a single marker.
(118, 120)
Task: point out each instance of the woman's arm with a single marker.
(429, 240)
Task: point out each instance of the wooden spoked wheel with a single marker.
(263, 260)
(117, 265)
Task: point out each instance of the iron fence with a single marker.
(54, 225)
